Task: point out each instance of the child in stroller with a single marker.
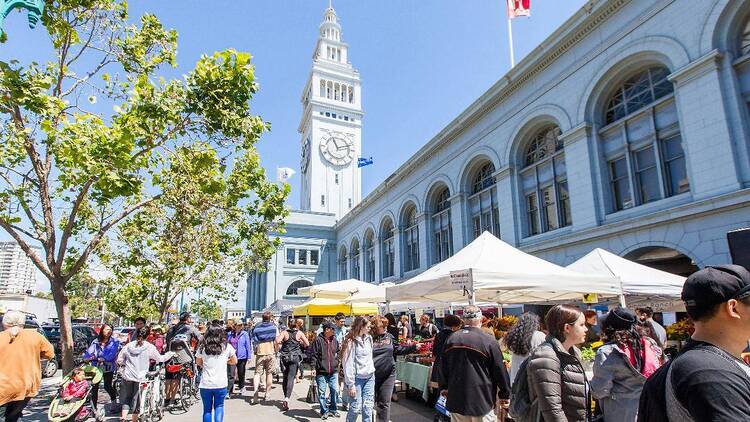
(75, 392)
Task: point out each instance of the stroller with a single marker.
(77, 409)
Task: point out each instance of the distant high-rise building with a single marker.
(17, 272)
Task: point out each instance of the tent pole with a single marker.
(622, 301)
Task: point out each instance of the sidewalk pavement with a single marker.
(240, 407)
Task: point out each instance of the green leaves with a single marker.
(146, 48)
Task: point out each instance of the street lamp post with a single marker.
(33, 7)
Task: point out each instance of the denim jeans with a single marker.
(364, 400)
(332, 382)
(213, 400)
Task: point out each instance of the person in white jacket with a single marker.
(359, 370)
(134, 360)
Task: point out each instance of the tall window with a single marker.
(544, 183)
(387, 247)
(355, 259)
(411, 240)
(483, 202)
(342, 264)
(369, 257)
(442, 245)
(641, 141)
(293, 288)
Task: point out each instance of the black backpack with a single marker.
(521, 406)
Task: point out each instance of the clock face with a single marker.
(337, 150)
(305, 160)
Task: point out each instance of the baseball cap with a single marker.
(327, 325)
(716, 284)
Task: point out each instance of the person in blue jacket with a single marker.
(240, 340)
(103, 353)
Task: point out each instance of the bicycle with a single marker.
(150, 397)
(188, 388)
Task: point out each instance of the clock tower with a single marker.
(331, 126)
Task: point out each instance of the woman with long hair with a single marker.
(622, 366)
(103, 353)
(385, 348)
(134, 360)
(214, 354)
(522, 338)
(359, 370)
(557, 382)
(292, 340)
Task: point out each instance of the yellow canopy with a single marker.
(327, 307)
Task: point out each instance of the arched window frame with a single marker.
(442, 230)
(354, 257)
(743, 42)
(411, 239)
(343, 264)
(641, 141)
(387, 247)
(369, 244)
(296, 285)
(544, 182)
(483, 208)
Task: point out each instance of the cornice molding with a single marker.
(502, 174)
(697, 68)
(582, 131)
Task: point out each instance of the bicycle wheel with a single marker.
(185, 393)
(160, 402)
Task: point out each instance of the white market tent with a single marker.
(501, 273)
(639, 282)
(336, 290)
(375, 293)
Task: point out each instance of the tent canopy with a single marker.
(337, 289)
(373, 294)
(502, 274)
(637, 279)
(319, 306)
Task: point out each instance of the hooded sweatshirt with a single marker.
(358, 361)
(135, 360)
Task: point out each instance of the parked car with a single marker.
(83, 335)
(122, 333)
(49, 367)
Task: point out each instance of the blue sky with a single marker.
(422, 62)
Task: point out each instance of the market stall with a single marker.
(642, 285)
(319, 306)
(490, 270)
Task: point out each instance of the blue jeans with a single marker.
(213, 400)
(364, 401)
(332, 382)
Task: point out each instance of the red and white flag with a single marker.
(518, 8)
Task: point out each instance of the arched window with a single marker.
(411, 239)
(641, 141)
(387, 248)
(370, 257)
(744, 41)
(293, 288)
(483, 202)
(355, 259)
(544, 182)
(342, 264)
(442, 233)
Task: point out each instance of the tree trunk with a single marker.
(66, 326)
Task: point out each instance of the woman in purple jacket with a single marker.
(103, 353)
(240, 340)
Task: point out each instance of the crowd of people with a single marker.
(355, 367)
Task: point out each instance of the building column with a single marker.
(378, 259)
(424, 240)
(579, 169)
(509, 230)
(397, 258)
(457, 221)
(328, 261)
(706, 134)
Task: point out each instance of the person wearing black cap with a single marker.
(708, 381)
(622, 366)
(182, 339)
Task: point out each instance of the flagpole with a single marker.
(510, 43)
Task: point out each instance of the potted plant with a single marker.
(587, 358)
(679, 332)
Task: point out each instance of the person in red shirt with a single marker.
(156, 337)
(76, 388)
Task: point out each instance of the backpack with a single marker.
(521, 406)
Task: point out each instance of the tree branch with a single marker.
(30, 252)
(102, 231)
(71, 221)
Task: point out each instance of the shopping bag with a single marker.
(312, 393)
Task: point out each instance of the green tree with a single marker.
(206, 309)
(71, 170)
(84, 297)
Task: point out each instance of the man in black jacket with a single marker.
(473, 374)
(708, 381)
(325, 351)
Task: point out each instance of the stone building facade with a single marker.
(627, 129)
